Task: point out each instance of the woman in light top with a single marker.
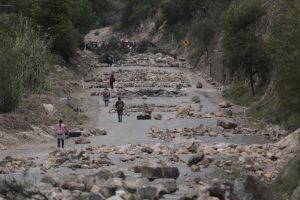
(61, 131)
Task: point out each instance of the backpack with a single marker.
(119, 105)
(106, 93)
(112, 79)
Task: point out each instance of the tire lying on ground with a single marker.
(143, 117)
(74, 134)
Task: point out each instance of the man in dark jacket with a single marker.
(111, 81)
(120, 107)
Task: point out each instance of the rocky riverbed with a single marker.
(191, 145)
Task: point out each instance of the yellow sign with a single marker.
(186, 43)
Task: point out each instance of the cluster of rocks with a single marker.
(82, 134)
(225, 128)
(152, 92)
(78, 159)
(153, 60)
(152, 170)
(140, 78)
(160, 93)
(151, 107)
(11, 165)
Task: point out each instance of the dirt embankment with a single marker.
(33, 121)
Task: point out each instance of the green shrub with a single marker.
(23, 61)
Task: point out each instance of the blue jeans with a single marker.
(120, 114)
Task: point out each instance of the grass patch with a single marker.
(264, 110)
(287, 182)
(241, 95)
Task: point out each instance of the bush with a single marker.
(23, 61)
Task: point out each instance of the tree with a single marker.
(177, 11)
(134, 12)
(83, 17)
(55, 18)
(243, 49)
(204, 31)
(285, 54)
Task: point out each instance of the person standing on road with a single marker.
(120, 107)
(106, 96)
(111, 81)
(110, 60)
(61, 131)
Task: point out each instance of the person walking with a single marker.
(110, 60)
(106, 96)
(120, 107)
(111, 81)
(61, 131)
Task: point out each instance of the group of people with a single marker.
(110, 60)
(61, 130)
(60, 127)
(106, 97)
(91, 45)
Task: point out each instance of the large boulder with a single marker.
(148, 192)
(291, 143)
(195, 159)
(133, 185)
(250, 188)
(155, 170)
(50, 109)
(184, 111)
(168, 183)
(51, 179)
(226, 124)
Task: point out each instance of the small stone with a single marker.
(157, 117)
(196, 99)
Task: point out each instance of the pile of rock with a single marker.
(151, 107)
(11, 165)
(75, 159)
(155, 60)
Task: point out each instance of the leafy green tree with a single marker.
(55, 18)
(83, 17)
(134, 12)
(285, 54)
(243, 49)
(102, 8)
(177, 11)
